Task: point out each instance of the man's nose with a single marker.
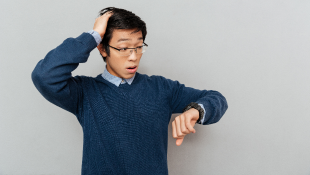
(133, 55)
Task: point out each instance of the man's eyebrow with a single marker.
(123, 39)
(126, 39)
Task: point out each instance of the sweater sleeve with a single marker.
(52, 75)
(214, 103)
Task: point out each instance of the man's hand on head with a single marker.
(101, 23)
(184, 124)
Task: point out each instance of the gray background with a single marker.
(256, 53)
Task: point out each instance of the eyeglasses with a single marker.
(128, 51)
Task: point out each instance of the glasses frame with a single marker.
(119, 50)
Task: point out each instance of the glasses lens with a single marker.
(141, 49)
(125, 52)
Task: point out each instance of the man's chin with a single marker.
(128, 76)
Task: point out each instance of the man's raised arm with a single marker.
(52, 75)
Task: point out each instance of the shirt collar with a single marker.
(114, 79)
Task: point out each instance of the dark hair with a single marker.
(120, 19)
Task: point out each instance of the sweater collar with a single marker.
(114, 79)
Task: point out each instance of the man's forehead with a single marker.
(122, 35)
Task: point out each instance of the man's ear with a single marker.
(102, 50)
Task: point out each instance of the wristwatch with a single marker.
(196, 106)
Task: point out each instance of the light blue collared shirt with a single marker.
(117, 80)
(114, 79)
(96, 36)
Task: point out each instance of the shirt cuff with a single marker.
(201, 121)
(96, 36)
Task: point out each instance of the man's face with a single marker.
(117, 64)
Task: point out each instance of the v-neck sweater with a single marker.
(125, 128)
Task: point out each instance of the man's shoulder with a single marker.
(159, 80)
(82, 77)
(153, 77)
(85, 80)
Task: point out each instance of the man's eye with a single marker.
(123, 49)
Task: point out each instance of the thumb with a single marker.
(179, 141)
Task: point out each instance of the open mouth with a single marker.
(132, 67)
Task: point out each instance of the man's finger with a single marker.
(177, 126)
(189, 125)
(174, 132)
(107, 14)
(179, 141)
(184, 129)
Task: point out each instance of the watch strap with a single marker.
(196, 106)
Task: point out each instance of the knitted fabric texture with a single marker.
(125, 128)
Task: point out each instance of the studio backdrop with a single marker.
(255, 53)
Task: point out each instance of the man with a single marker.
(124, 114)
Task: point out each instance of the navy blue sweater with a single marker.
(125, 128)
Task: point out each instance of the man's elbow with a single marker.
(39, 80)
(218, 109)
(222, 108)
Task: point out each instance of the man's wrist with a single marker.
(195, 111)
(96, 36)
(197, 107)
(100, 34)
